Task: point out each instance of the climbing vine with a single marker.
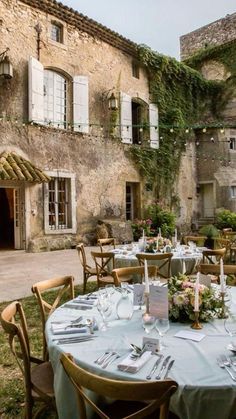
(184, 99)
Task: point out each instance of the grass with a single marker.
(12, 384)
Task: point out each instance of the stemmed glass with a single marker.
(162, 326)
(104, 307)
(149, 322)
(230, 324)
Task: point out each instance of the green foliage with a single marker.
(209, 230)
(183, 98)
(140, 226)
(161, 218)
(226, 219)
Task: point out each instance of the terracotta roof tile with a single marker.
(15, 167)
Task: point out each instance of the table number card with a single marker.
(205, 280)
(159, 302)
(138, 295)
(151, 344)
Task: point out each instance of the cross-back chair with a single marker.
(128, 274)
(220, 243)
(105, 263)
(163, 260)
(209, 269)
(88, 270)
(213, 256)
(132, 399)
(107, 244)
(38, 380)
(199, 240)
(65, 288)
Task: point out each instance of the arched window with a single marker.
(55, 94)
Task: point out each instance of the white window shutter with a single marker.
(81, 104)
(36, 97)
(153, 122)
(126, 118)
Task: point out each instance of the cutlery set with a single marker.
(166, 367)
(107, 358)
(228, 364)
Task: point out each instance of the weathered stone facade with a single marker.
(96, 164)
(216, 33)
(215, 150)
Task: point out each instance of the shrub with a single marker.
(161, 218)
(226, 219)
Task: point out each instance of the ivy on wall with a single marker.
(184, 98)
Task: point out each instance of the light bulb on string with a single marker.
(197, 143)
(204, 130)
(187, 130)
(171, 130)
(212, 139)
(140, 129)
(222, 131)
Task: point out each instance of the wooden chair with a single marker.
(107, 244)
(87, 269)
(220, 243)
(127, 274)
(64, 285)
(229, 234)
(105, 263)
(209, 269)
(132, 399)
(38, 380)
(213, 256)
(163, 261)
(199, 240)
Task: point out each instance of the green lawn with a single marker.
(12, 385)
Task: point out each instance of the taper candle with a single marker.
(146, 277)
(196, 299)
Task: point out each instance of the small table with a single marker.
(205, 390)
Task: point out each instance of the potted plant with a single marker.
(210, 231)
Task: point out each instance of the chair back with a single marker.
(213, 256)
(209, 269)
(199, 240)
(156, 394)
(128, 274)
(14, 324)
(105, 263)
(163, 260)
(82, 255)
(65, 288)
(107, 244)
(220, 243)
(87, 269)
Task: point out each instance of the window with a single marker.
(59, 204)
(232, 143)
(233, 191)
(135, 70)
(55, 88)
(51, 100)
(57, 32)
(132, 200)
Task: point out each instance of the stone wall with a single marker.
(216, 33)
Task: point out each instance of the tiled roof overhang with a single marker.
(15, 167)
(85, 24)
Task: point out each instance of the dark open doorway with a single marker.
(6, 218)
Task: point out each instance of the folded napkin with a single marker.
(66, 328)
(130, 365)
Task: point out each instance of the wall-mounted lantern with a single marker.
(112, 102)
(6, 69)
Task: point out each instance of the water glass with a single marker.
(149, 322)
(162, 326)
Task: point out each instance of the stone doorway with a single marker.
(10, 225)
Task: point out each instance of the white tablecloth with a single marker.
(205, 390)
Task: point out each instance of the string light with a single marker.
(204, 130)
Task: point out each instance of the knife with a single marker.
(168, 369)
(149, 376)
(165, 362)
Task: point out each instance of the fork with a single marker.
(222, 365)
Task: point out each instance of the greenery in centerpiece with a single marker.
(181, 291)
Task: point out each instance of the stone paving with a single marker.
(19, 270)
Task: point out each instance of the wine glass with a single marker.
(162, 326)
(230, 324)
(149, 322)
(104, 307)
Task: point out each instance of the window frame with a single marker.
(59, 26)
(233, 191)
(135, 70)
(57, 82)
(72, 205)
(232, 143)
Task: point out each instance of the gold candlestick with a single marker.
(196, 325)
(223, 314)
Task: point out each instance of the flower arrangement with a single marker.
(181, 290)
(138, 226)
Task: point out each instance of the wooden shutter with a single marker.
(81, 104)
(36, 97)
(126, 118)
(153, 121)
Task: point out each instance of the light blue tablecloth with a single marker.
(185, 263)
(205, 390)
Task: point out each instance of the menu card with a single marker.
(158, 302)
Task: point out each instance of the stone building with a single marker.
(69, 114)
(216, 142)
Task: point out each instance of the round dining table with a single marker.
(182, 261)
(205, 390)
